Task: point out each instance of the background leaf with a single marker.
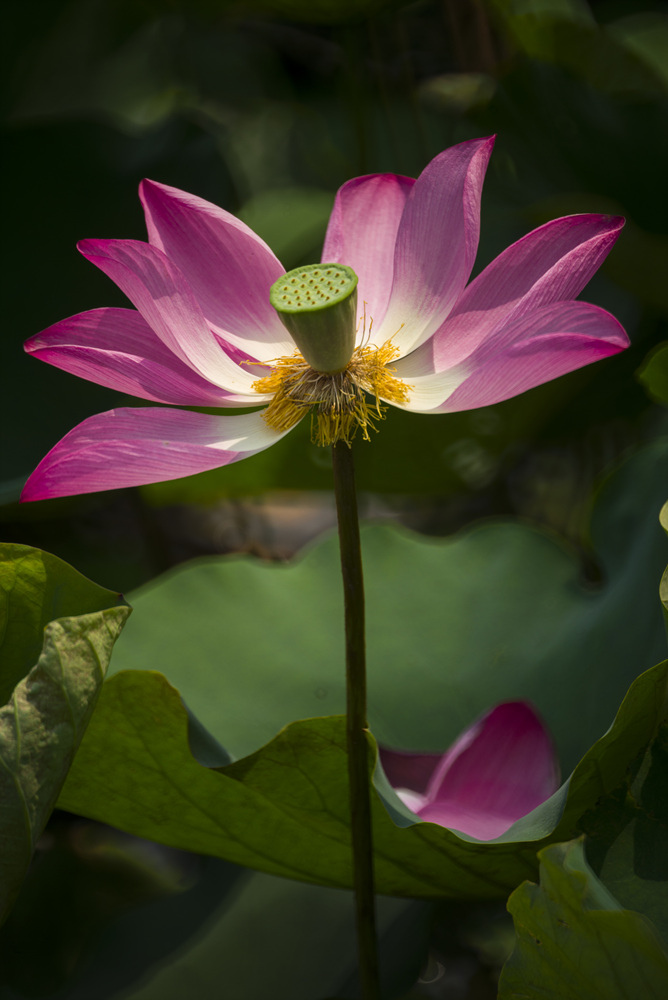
(37, 588)
(284, 809)
(663, 586)
(55, 650)
(453, 626)
(575, 940)
(272, 937)
(654, 374)
(627, 837)
(291, 221)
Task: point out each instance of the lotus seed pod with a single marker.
(317, 304)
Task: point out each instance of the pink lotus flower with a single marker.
(497, 771)
(203, 332)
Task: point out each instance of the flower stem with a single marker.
(356, 721)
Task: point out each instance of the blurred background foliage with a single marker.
(265, 107)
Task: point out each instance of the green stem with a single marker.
(356, 721)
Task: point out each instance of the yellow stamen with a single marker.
(338, 403)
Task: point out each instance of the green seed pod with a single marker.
(318, 306)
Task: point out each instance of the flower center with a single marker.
(328, 377)
(339, 402)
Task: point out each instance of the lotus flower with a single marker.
(203, 332)
(496, 771)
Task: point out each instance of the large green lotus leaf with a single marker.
(57, 630)
(574, 940)
(453, 626)
(284, 809)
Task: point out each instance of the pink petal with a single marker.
(551, 264)
(159, 291)
(538, 348)
(404, 769)
(228, 267)
(436, 244)
(500, 769)
(412, 799)
(362, 232)
(131, 447)
(118, 349)
(533, 349)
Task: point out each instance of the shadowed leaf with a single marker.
(57, 631)
(574, 940)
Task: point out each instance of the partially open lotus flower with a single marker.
(497, 771)
(203, 332)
